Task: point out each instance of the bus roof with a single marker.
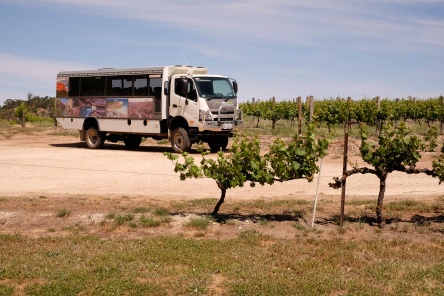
(130, 71)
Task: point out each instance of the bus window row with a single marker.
(115, 86)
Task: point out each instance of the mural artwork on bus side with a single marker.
(142, 108)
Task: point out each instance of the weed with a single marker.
(110, 216)
(149, 222)
(359, 202)
(263, 222)
(63, 213)
(298, 226)
(166, 219)
(200, 223)
(408, 205)
(337, 218)
(199, 234)
(161, 212)
(122, 219)
(163, 142)
(251, 236)
(140, 210)
(203, 202)
(298, 213)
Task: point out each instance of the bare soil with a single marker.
(42, 175)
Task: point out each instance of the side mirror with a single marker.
(235, 86)
(165, 88)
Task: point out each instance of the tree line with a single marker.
(33, 106)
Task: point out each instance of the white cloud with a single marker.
(39, 69)
(292, 22)
(19, 75)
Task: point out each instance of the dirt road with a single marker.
(62, 166)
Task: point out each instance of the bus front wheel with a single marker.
(94, 139)
(180, 140)
(218, 143)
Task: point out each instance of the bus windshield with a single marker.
(214, 87)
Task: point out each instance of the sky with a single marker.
(273, 48)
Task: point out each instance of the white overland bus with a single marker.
(181, 103)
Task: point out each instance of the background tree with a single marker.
(21, 112)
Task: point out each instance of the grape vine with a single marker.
(245, 163)
(396, 151)
(335, 111)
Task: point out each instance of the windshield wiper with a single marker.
(230, 97)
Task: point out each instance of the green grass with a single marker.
(149, 222)
(252, 264)
(360, 202)
(122, 219)
(140, 210)
(63, 213)
(408, 205)
(200, 223)
(163, 142)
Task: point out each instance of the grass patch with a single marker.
(140, 210)
(122, 219)
(408, 205)
(251, 264)
(190, 204)
(199, 223)
(360, 202)
(161, 212)
(149, 222)
(163, 142)
(63, 213)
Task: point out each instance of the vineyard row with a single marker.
(339, 110)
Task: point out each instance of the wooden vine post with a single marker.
(344, 162)
(378, 121)
(442, 119)
(253, 105)
(311, 109)
(299, 117)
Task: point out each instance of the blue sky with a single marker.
(280, 48)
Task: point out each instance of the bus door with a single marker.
(183, 100)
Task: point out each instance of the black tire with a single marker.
(180, 140)
(132, 141)
(94, 138)
(216, 144)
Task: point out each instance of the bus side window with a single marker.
(177, 89)
(156, 86)
(192, 94)
(92, 86)
(127, 90)
(74, 86)
(141, 86)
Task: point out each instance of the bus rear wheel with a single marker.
(94, 138)
(180, 140)
(132, 142)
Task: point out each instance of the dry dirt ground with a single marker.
(42, 175)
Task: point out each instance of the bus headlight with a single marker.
(205, 115)
(238, 115)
